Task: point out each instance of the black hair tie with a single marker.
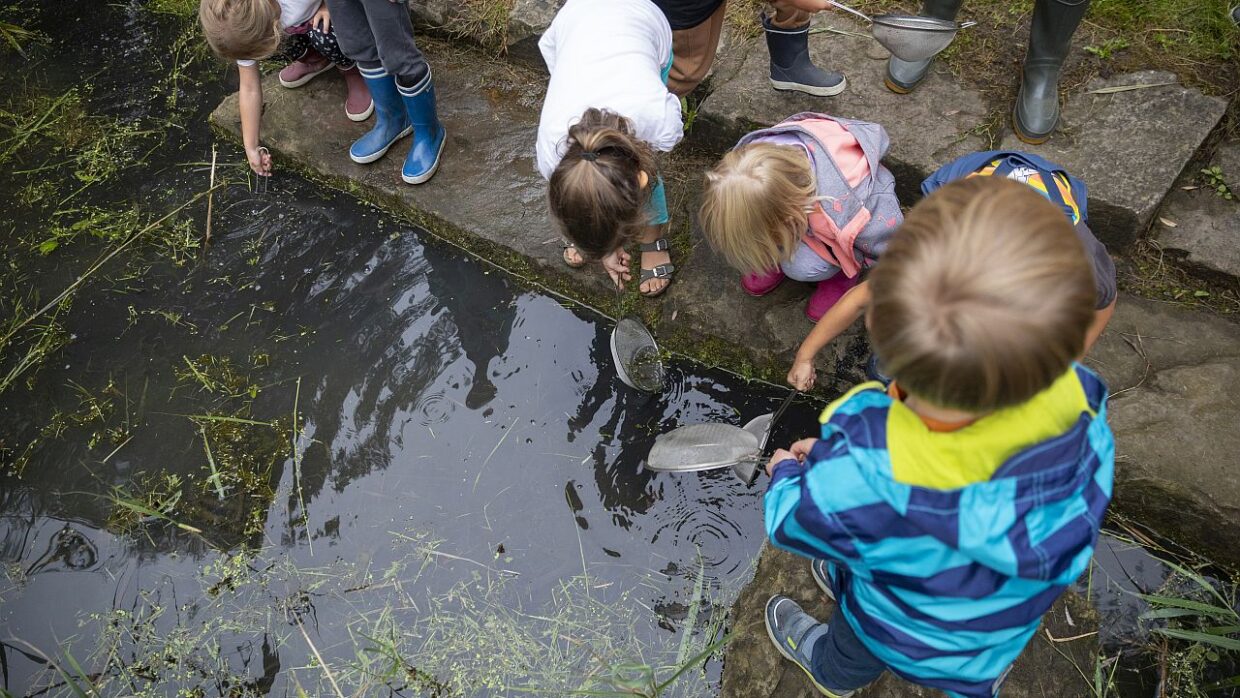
(589, 155)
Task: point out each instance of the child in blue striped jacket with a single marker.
(947, 512)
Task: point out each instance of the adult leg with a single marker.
(1050, 39)
(787, 40)
(903, 76)
(353, 33)
(693, 52)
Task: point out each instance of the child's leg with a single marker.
(839, 658)
(379, 34)
(656, 262)
(328, 47)
(358, 105)
(305, 62)
(807, 265)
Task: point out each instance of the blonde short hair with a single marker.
(983, 296)
(754, 209)
(241, 29)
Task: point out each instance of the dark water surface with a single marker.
(459, 501)
(468, 462)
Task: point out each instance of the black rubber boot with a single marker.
(903, 76)
(791, 68)
(1050, 38)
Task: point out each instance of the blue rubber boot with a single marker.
(391, 120)
(429, 135)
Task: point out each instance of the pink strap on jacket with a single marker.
(824, 237)
(833, 243)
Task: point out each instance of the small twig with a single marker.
(1082, 636)
(81, 279)
(326, 669)
(210, 198)
(1138, 347)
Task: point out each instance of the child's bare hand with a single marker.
(260, 161)
(322, 19)
(616, 265)
(801, 449)
(802, 375)
(779, 456)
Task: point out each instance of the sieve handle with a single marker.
(846, 8)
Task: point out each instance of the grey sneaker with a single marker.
(794, 633)
(818, 568)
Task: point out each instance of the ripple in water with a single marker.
(701, 525)
(433, 408)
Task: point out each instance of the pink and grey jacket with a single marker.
(849, 226)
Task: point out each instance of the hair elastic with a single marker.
(589, 155)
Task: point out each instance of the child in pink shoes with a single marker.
(807, 199)
(298, 31)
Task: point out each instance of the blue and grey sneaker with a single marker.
(818, 569)
(794, 633)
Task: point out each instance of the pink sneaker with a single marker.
(762, 284)
(828, 293)
(303, 70)
(358, 105)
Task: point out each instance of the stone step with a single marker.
(1200, 228)
(1128, 146)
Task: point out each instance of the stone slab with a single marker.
(1129, 147)
(753, 668)
(1206, 233)
(1174, 376)
(927, 129)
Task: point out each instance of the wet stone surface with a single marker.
(1129, 146)
(1173, 375)
(1206, 233)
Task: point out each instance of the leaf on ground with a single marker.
(1168, 222)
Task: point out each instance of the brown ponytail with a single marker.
(594, 193)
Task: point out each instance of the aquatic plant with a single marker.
(401, 632)
(1200, 627)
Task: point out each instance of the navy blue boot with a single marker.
(391, 120)
(429, 135)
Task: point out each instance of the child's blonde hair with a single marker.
(754, 209)
(241, 29)
(983, 297)
(595, 194)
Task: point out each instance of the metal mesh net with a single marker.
(636, 356)
(702, 447)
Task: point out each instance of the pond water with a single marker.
(448, 449)
(330, 453)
